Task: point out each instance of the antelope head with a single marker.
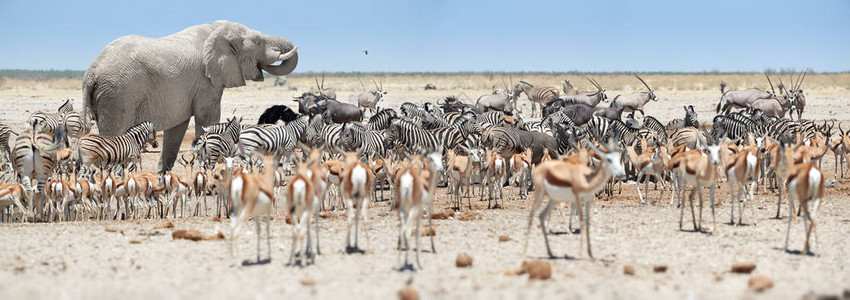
(600, 90)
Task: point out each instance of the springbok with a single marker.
(806, 185)
(460, 169)
(566, 182)
(415, 185)
(250, 195)
(357, 181)
(840, 146)
(698, 169)
(496, 172)
(520, 165)
(742, 172)
(17, 194)
(301, 204)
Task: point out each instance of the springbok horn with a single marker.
(771, 83)
(289, 54)
(839, 128)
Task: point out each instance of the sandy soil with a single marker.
(84, 260)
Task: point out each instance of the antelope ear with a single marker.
(221, 63)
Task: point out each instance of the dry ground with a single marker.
(83, 260)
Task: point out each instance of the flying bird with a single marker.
(365, 52)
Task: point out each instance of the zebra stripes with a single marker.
(274, 140)
(218, 141)
(458, 134)
(368, 143)
(35, 158)
(104, 151)
(5, 133)
(381, 120)
(413, 139)
(502, 140)
(542, 95)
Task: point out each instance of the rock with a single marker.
(760, 282)
(135, 241)
(111, 229)
(463, 260)
(383, 214)
(442, 215)
(216, 219)
(408, 293)
(743, 267)
(659, 269)
(427, 231)
(469, 216)
(308, 282)
(537, 269)
(504, 238)
(831, 183)
(164, 225)
(194, 235)
(629, 270)
(289, 220)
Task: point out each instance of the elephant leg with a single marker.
(171, 139)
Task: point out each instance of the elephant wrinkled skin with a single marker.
(170, 79)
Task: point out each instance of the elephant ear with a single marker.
(221, 62)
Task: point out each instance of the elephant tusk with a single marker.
(289, 54)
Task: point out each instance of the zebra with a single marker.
(408, 109)
(690, 120)
(458, 134)
(381, 120)
(217, 142)
(75, 126)
(538, 126)
(368, 143)
(628, 135)
(657, 128)
(496, 118)
(808, 129)
(502, 140)
(542, 95)
(330, 138)
(782, 129)
(105, 151)
(412, 138)
(598, 126)
(685, 136)
(729, 127)
(5, 133)
(279, 140)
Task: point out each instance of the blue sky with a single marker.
(449, 36)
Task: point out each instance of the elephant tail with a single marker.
(89, 88)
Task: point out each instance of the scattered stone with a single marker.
(427, 231)
(629, 270)
(165, 225)
(743, 267)
(536, 269)
(463, 260)
(442, 215)
(760, 282)
(111, 229)
(408, 293)
(831, 183)
(383, 214)
(135, 241)
(216, 219)
(308, 282)
(323, 215)
(194, 235)
(289, 220)
(504, 238)
(659, 269)
(469, 216)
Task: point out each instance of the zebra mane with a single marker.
(66, 107)
(146, 125)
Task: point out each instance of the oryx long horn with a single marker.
(376, 84)
(801, 80)
(771, 83)
(317, 84)
(781, 84)
(644, 82)
(323, 81)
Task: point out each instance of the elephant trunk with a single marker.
(289, 60)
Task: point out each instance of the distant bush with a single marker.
(41, 75)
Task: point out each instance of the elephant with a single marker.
(168, 80)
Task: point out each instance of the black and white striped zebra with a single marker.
(782, 129)
(218, 141)
(454, 117)
(408, 109)
(381, 120)
(104, 151)
(598, 127)
(457, 134)
(413, 139)
(275, 140)
(653, 124)
(502, 140)
(368, 143)
(496, 118)
(330, 139)
(35, 158)
(5, 134)
(75, 126)
(628, 135)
